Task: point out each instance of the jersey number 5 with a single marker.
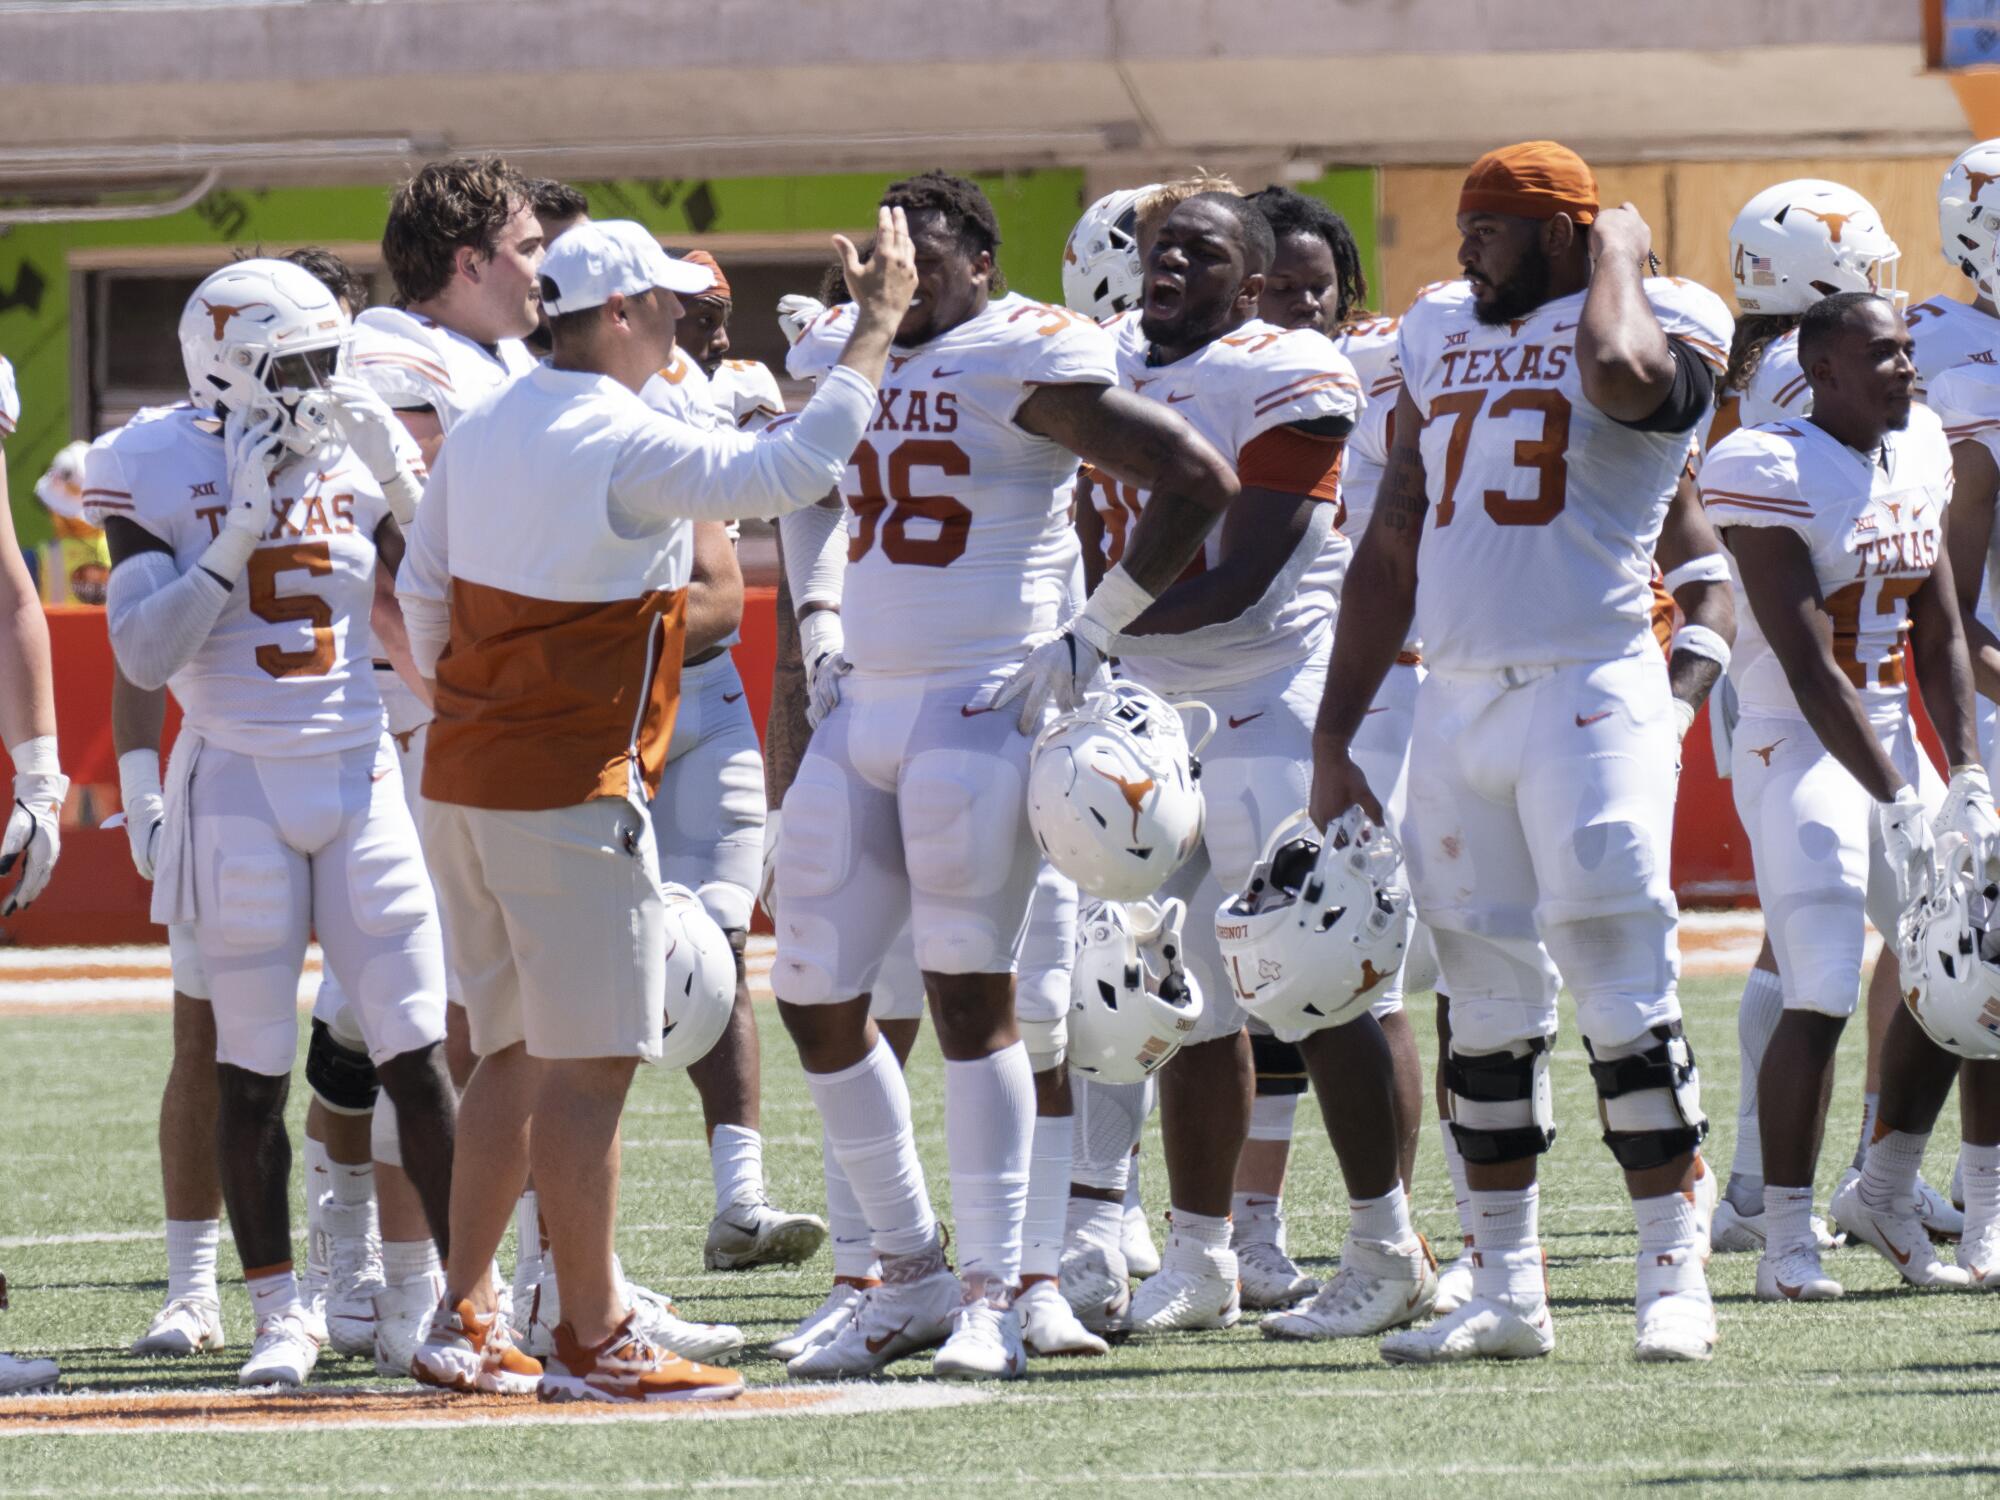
(1543, 454)
(953, 519)
(266, 603)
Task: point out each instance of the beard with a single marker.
(1520, 294)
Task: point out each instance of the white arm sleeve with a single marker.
(159, 616)
(423, 583)
(669, 470)
(815, 547)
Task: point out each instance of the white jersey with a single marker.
(10, 400)
(1777, 390)
(1874, 524)
(1966, 400)
(413, 362)
(960, 550)
(1949, 334)
(1537, 548)
(746, 393)
(1233, 391)
(286, 671)
(1370, 344)
(681, 390)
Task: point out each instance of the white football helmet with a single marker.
(1132, 1003)
(265, 336)
(1949, 950)
(1101, 273)
(1112, 793)
(1321, 926)
(701, 980)
(1969, 213)
(1799, 241)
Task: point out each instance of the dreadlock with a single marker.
(1291, 213)
(1746, 349)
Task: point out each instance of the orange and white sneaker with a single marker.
(628, 1366)
(466, 1352)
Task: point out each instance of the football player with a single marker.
(910, 801)
(253, 609)
(1545, 418)
(32, 842)
(1836, 522)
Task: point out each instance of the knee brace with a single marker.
(1281, 1067)
(1649, 1097)
(1502, 1105)
(343, 1078)
(1047, 1042)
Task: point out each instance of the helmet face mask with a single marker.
(1132, 1003)
(1949, 951)
(1101, 273)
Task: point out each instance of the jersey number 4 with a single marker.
(952, 519)
(266, 603)
(1544, 455)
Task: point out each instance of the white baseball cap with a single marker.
(590, 261)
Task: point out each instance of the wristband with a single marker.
(1699, 640)
(1711, 567)
(36, 757)
(402, 492)
(821, 634)
(228, 555)
(138, 776)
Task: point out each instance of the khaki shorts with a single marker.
(557, 933)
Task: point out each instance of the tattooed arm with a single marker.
(1377, 603)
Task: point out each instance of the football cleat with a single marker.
(1732, 1230)
(353, 1257)
(628, 1366)
(1942, 1219)
(1480, 1329)
(655, 1317)
(1142, 1254)
(463, 1351)
(285, 1351)
(895, 1319)
(1795, 1275)
(1454, 1284)
(186, 1325)
(1049, 1326)
(1979, 1255)
(1268, 1277)
(1195, 1288)
(984, 1342)
(760, 1235)
(824, 1321)
(1378, 1287)
(1095, 1285)
(24, 1376)
(402, 1321)
(1676, 1329)
(1901, 1237)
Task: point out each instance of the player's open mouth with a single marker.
(1164, 295)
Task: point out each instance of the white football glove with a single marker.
(33, 841)
(1684, 713)
(1968, 807)
(767, 883)
(145, 808)
(821, 641)
(796, 314)
(1908, 844)
(253, 449)
(1058, 674)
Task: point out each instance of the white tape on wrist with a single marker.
(138, 775)
(36, 757)
(820, 634)
(1116, 602)
(1699, 640)
(402, 492)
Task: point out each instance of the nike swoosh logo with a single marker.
(939, 372)
(973, 713)
(379, 775)
(1179, 396)
(1236, 723)
(876, 1346)
(1382, 710)
(1902, 1256)
(1415, 1297)
(1585, 721)
(1564, 327)
(1789, 1291)
(731, 697)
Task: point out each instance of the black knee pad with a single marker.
(1501, 1105)
(343, 1079)
(1650, 1100)
(1281, 1067)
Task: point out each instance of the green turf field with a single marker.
(1887, 1392)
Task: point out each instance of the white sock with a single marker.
(1108, 1118)
(1461, 1195)
(1271, 1116)
(1048, 1197)
(407, 1260)
(1982, 1186)
(1386, 1220)
(1757, 1016)
(1258, 1219)
(1093, 1221)
(1787, 1218)
(527, 1239)
(1669, 1247)
(318, 1169)
(353, 1183)
(847, 1226)
(866, 1110)
(736, 1158)
(1132, 1170)
(1870, 1104)
(191, 1247)
(989, 1130)
(1889, 1171)
(1507, 1246)
(1197, 1242)
(274, 1293)
(319, 1185)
